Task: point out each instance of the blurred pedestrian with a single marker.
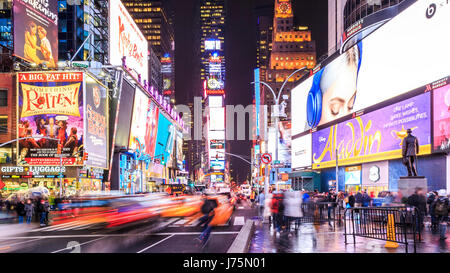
(419, 201)
(43, 209)
(267, 207)
(29, 211)
(277, 201)
(20, 209)
(441, 209)
(433, 196)
(331, 199)
(261, 201)
(358, 199)
(293, 208)
(366, 199)
(305, 196)
(208, 214)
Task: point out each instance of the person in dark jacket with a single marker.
(20, 209)
(441, 207)
(331, 198)
(351, 200)
(366, 199)
(359, 199)
(419, 201)
(430, 200)
(208, 214)
(410, 149)
(43, 209)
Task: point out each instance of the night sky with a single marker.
(240, 54)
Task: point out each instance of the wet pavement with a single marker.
(324, 238)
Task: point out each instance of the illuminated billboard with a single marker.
(35, 29)
(212, 45)
(387, 63)
(126, 40)
(374, 136)
(96, 123)
(441, 117)
(215, 101)
(165, 139)
(216, 135)
(50, 105)
(217, 165)
(139, 119)
(216, 144)
(301, 151)
(217, 119)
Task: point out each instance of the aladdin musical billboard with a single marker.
(441, 117)
(374, 136)
(36, 31)
(96, 123)
(50, 104)
(126, 40)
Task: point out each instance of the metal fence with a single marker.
(393, 224)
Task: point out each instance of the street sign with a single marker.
(266, 158)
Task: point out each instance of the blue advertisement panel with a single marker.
(374, 136)
(165, 139)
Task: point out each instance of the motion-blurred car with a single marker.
(183, 206)
(223, 211)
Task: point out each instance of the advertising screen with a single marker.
(301, 151)
(126, 40)
(50, 105)
(374, 136)
(215, 101)
(217, 119)
(441, 122)
(212, 45)
(165, 138)
(96, 123)
(378, 68)
(217, 144)
(179, 140)
(353, 175)
(216, 135)
(216, 154)
(151, 132)
(125, 114)
(36, 31)
(139, 120)
(284, 148)
(6, 32)
(217, 165)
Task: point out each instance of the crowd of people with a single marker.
(283, 207)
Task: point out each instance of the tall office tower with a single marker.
(292, 49)
(335, 24)
(211, 44)
(264, 15)
(78, 22)
(155, 19)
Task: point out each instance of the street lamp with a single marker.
(277, 105)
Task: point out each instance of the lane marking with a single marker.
(24, 242)
(140, 251)
(239, 220)
(194, 233)
(240, 207)
(67, 248)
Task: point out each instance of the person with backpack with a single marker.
(440, 206)
(208, 214)
(430, 201)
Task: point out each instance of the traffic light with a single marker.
(162, 160)
(85, 156)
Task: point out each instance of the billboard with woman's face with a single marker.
(389, 62)
(36, 31)
(50, 105)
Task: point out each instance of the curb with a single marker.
(242, 242)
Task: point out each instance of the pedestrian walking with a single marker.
(20, 209)
(293, 208)
(366, 199)
(43, 209)
(441, 209)
(29, 211)
(208, 214)
(261, 202)
(277, 201)
(331, 199)
(268, 207)
(419, 201)
(433, 196)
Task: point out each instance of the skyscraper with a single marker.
(154, 18)
(292, 49)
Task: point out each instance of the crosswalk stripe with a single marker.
(239, 221)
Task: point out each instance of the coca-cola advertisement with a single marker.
(126, 40)
(50, 118)
(36, 31)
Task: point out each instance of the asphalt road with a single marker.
(167, 235)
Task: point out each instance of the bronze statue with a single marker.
(410, 150)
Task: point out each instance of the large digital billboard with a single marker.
(50, 105)
(217, 119)
(139, 120)
(36, 31)
(152, 128)
(441, 117)
(126, 40)
(125, 114)
(374, 136)
(165, 139)
(96, 123)
(389, 62)
(301, 151)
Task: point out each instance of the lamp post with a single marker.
(277, 105)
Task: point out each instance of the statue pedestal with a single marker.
(408, 184)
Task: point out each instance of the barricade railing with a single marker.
(321, 212)
(397, 225)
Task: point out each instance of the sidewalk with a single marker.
(323, 239)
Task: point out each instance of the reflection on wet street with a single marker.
(311, 238)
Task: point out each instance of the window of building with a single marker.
(3, 97)
(3, 125)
